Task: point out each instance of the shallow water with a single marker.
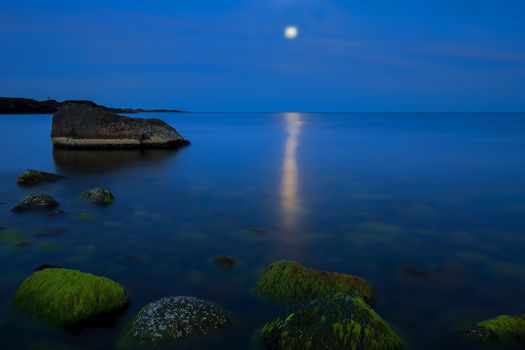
(366, 194)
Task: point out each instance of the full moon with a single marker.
(291, 32)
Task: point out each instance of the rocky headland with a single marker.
(10, 105)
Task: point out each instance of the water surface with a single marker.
(366, 194)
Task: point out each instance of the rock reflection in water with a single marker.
(105, 161)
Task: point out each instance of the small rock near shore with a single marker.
(173, 318)
(33, 177)
(224, 262)
(101, 196)
(36, 202)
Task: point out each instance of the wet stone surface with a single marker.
(176, 317)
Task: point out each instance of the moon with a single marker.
(291, 32)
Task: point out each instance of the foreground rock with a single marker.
(174, 318)
(291, 282)
(500, 329)
(92, 127)
(100, 196)
(338, 321)
(33, 177)
(67, 298)
(36, 202)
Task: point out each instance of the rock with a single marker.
(99, 196)
(83, 126)
(338, 321)
(224, 262)
(174, 318)
(33, 177)
(67, 298)
(502, 329)
(35, 202)
(290, 282)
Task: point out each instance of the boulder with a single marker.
(338, 321)
(67, 298)
(33, 177)
(101, 196)
(36, 202)
(290, 282)
(174, 318)
(502, 329)
(82, 126)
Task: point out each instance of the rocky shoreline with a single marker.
(16, 105)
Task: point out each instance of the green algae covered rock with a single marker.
(289, 281)
(100, 196)
(67, 298)
(503, 328)
(338, 321)
(33, 177)
(171, 319)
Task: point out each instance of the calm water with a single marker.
(366, 194)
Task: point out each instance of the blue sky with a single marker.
(230, 55)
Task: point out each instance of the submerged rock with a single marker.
(84, 126)
(338, 321)
(33, 177)
(413, 272)
(35, 202)
(99, 196)
(224, 262)
(503, 328)
(174, 318)
(291, 282)
(10, 236)
(67, 298)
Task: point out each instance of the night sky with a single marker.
(231, 55)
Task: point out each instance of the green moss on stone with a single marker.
(68, 297)
(503, 328)
(338, 321)
(290, 282)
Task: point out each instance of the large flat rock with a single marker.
(81, 126)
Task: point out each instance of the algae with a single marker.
(338, 321)
(68, 297)
(291, 282)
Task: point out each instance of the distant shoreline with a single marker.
(16, 105)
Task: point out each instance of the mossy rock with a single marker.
(100, 196)
(33, 177)
(338, 321)
(503, 328)
(68, 298)
(291, 282)
(171, 319)
(36, 202)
